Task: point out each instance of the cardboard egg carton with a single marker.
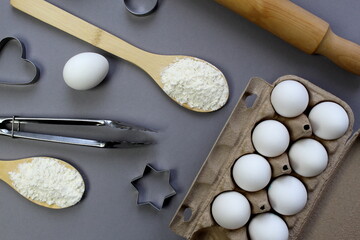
(194, 221)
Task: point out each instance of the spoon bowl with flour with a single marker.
(48, 182)
(191, 82)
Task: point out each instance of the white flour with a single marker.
(45, 180)
(195, 83)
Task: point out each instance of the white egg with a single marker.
(270, 138)
(85, 70)
(329, 120)
(308, 157)
(251, 172)
(231, 210)
(289, 98)
(268, 226)
(287, 195)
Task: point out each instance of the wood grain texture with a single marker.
(343, 52)
(300, 28)
(151, 63)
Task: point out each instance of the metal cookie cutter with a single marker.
(11, 127)
(153, 192)
(36, 73)
(141, 7)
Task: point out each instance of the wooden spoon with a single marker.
(151, 63)
(12, 166)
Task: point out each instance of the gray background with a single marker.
(199, 28)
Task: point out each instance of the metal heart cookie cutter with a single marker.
(153, 191)
(35, 75)
(141, 7)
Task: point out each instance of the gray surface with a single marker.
(194, 27)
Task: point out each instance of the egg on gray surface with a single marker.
(85, 70)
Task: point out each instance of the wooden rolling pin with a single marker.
(300, 28)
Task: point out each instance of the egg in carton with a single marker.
(194, 219)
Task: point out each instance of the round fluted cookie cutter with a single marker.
(141, 7)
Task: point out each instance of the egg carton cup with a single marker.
(193, 219)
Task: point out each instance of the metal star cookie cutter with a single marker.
(36, 73)
(145, 8)
(151, 170)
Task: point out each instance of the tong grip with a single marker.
(59, 121)
(59, 139)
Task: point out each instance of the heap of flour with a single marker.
(46, 180)
(196, 83)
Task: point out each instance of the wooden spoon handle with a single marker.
(79, 28)
(300, 28)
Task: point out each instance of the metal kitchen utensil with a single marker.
(151, 63)
(15, 124)
(34, 77)
(141, 7)
(148, 170)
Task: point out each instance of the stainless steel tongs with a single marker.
(15, 123)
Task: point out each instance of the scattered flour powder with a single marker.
(46, 180)
(196, 83)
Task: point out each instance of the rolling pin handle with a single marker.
(342, 52)
(300, 28)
